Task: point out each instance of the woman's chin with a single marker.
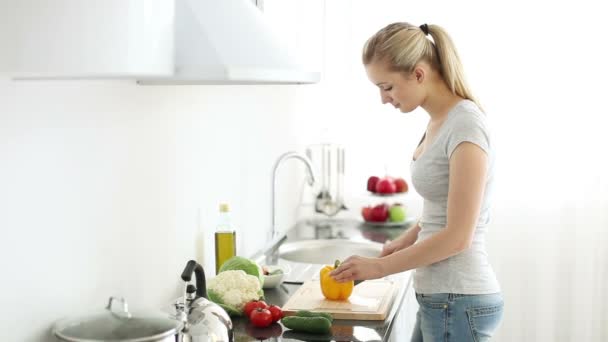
(405, 110)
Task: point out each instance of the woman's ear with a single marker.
(419, 74)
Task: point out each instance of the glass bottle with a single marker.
(225, 238)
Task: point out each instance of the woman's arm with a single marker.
(404, 240)
(468, 173)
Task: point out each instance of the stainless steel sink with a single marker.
(323, 252)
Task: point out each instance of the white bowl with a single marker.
(272, 281)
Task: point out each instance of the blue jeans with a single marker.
(449, 317)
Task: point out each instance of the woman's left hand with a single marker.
(358, 268)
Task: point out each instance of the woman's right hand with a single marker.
(390, 247)
(403, 241)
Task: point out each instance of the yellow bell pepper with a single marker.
(332, 289)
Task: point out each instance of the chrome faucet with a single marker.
(311, 180)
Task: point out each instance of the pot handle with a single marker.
(125, 307)
(201, 286)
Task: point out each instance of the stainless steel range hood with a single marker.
(229, 42)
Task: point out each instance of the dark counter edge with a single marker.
(397, 306)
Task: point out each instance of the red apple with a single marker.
(386, 186)
(401, 185)
(366, 212)
(379, 213)
(371, 183)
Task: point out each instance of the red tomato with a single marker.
(276, 312)
(254, 304)
(261, 317)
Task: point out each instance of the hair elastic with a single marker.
(425, 29)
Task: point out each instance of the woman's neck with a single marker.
(440, 101)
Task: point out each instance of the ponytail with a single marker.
(450, 65)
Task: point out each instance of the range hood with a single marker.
(229, 42)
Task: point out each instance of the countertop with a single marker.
(396, 327)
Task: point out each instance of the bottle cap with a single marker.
(224, 208)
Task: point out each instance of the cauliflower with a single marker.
(234, 288)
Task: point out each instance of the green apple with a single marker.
(396, 213)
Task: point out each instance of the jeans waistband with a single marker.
(450, 296)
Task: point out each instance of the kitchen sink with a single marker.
(326, 251)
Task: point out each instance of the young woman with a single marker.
(452, 169)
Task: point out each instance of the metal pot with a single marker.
(118, 325)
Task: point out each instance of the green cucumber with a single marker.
(306, 313)
(315, 325)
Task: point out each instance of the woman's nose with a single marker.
(385, 98)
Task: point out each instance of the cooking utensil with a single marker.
(203, 320)
(330, 158)
(115, 324)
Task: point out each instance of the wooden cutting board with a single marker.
(370, 300)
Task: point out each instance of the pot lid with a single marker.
(117, 325)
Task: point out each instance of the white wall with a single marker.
(105, 186)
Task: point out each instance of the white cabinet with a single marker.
(301, 25)
(152, 41)
(92, 39)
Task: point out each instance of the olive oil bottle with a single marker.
(225, 238)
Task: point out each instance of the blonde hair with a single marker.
(403, 45)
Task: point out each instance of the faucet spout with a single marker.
(311, 178)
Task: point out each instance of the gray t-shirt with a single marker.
(468, 272)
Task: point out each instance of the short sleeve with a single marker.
(468, 127)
